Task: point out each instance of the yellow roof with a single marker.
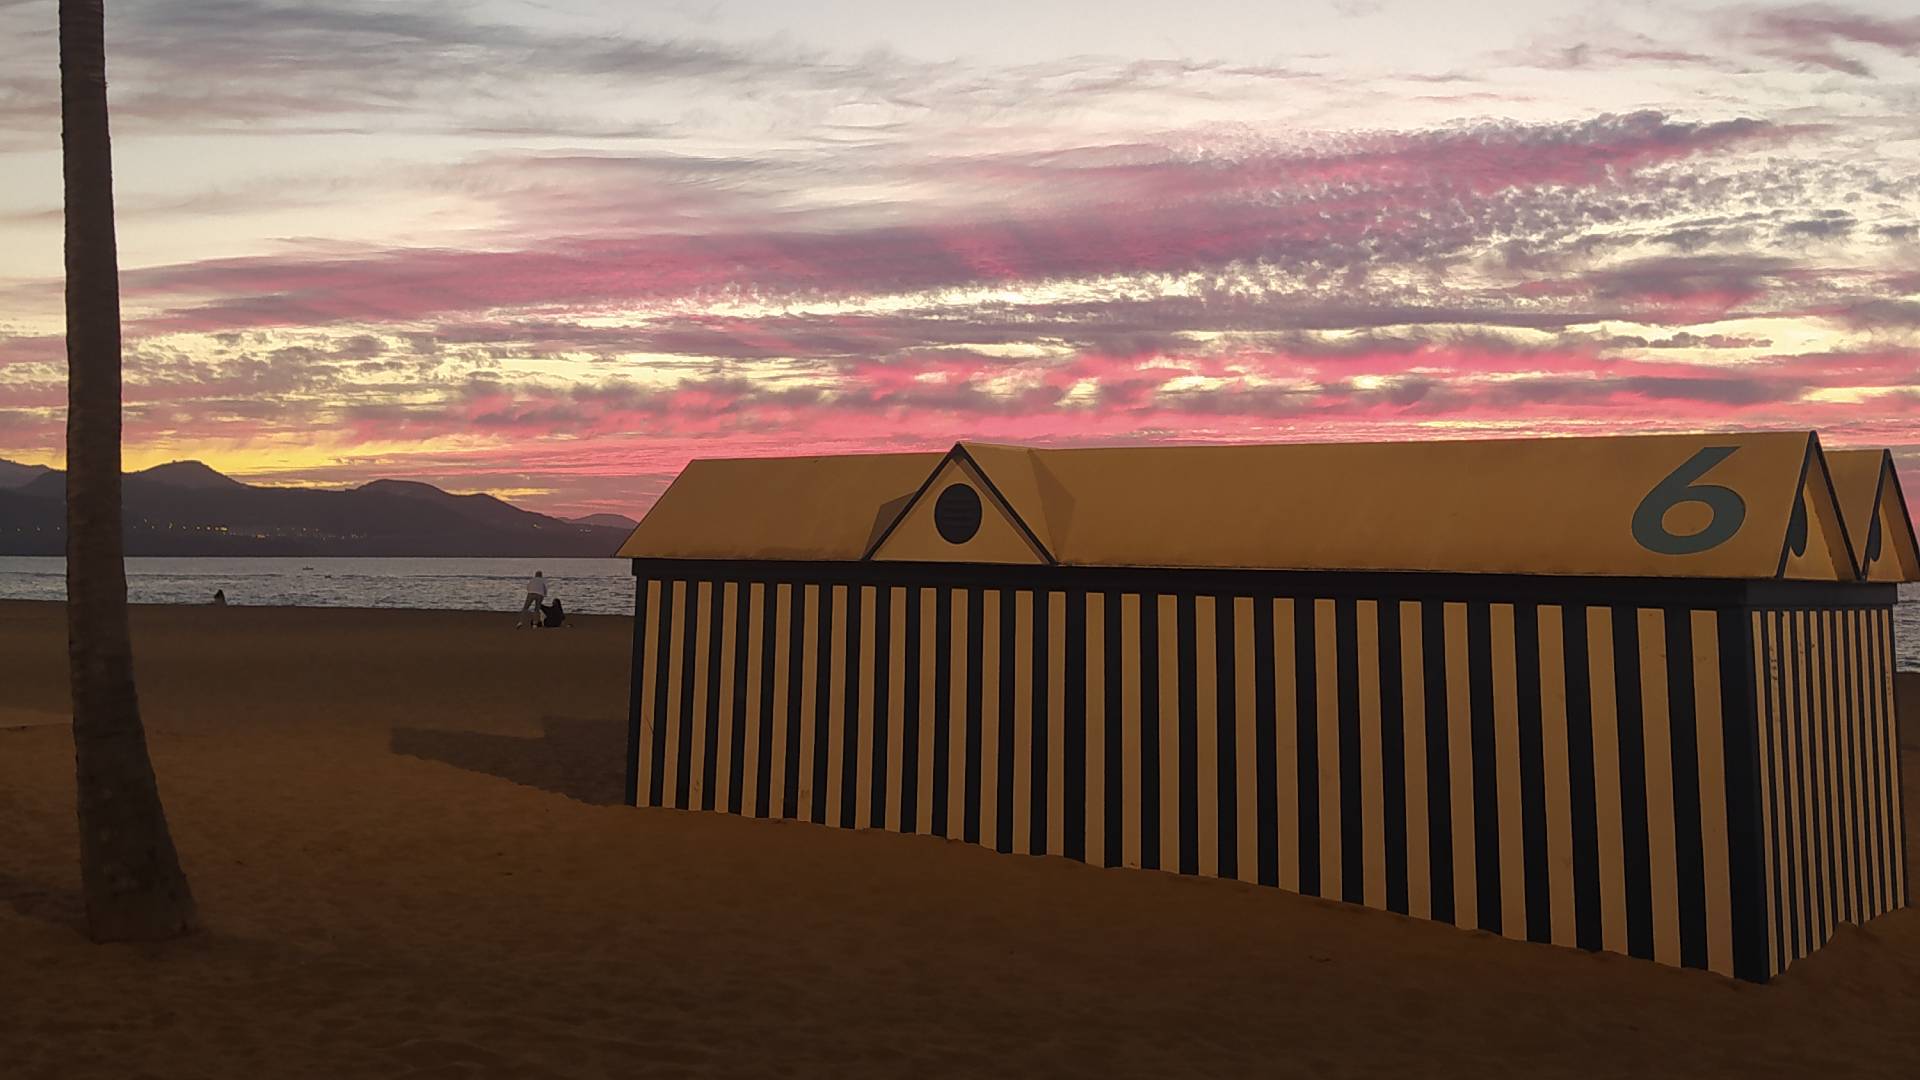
(1714, 506)
(1875, 510)
(803, 508)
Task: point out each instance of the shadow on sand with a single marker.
(60, 905)
(581, 759)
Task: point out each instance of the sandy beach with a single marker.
(403, 832)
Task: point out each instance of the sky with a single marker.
(556, 249)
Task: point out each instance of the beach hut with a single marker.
(1876, 515)
(1624, 693)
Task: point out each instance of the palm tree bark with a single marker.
(130, 874)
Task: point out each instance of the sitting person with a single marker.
(552, 615)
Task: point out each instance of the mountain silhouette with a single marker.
(611, 521)
(189, 474)
(186, 508)
(13, 474)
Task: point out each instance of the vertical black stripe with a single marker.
(1187, 797)
(1883, 696)
(737, 761)
(1803, 903)
(1433, 658)
(1836, 764)
(1767, 654)
(1788, 857)
(1582, 794)
(1150, 731)
(1306, 715)
(1266, 805)
(1849, 760)
(942, 709)
(1857, 798)
(769, 651)
(796, 645)
(1633, 782)
(1533, 774)
(663, 653)
(1347, 676)
(1869, 718)
(690, 643)
(910, 691)
(1393, 756)
(1820, 790)
(1009, 651)
(1739, 754)
(1838, 622)
(882, 706)
(823, 718)
(1112, 660)
(1886, 726)
(1583, 802)
(716, 639)
(1486, 766)
(636, 686)
(976, 657)
(1073, 772)
(1823, 720)
(1885, 618)
(850, 747)
(1842, 787)
(1226, 749)
(1690, 868)
(1042, 720)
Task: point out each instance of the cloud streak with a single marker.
(584, 255)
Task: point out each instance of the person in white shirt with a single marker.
(536, 592)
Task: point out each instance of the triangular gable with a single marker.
(1876, 514)
(1019, 475)
(1897, 551)
(1816, 547)
(959, 514)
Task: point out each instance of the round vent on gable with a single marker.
(956, 514)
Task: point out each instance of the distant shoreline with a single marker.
(505, 610)
(251, 554)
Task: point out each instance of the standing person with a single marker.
(536, 594)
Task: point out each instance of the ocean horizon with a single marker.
(586, 586)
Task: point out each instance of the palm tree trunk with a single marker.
(129, 872)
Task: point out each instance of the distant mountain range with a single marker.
(186, 508)
(14, 474)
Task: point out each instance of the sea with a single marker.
(587, 586)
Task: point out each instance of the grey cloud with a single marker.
(1813, 35)
(1686, 340)
(1883, 315)
(1821, 228)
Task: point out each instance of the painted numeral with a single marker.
(1728, 508)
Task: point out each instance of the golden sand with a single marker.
(402, 831)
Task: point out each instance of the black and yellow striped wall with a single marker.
(1830, 774)
(1698, 773)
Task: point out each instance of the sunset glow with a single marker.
(557, 250)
